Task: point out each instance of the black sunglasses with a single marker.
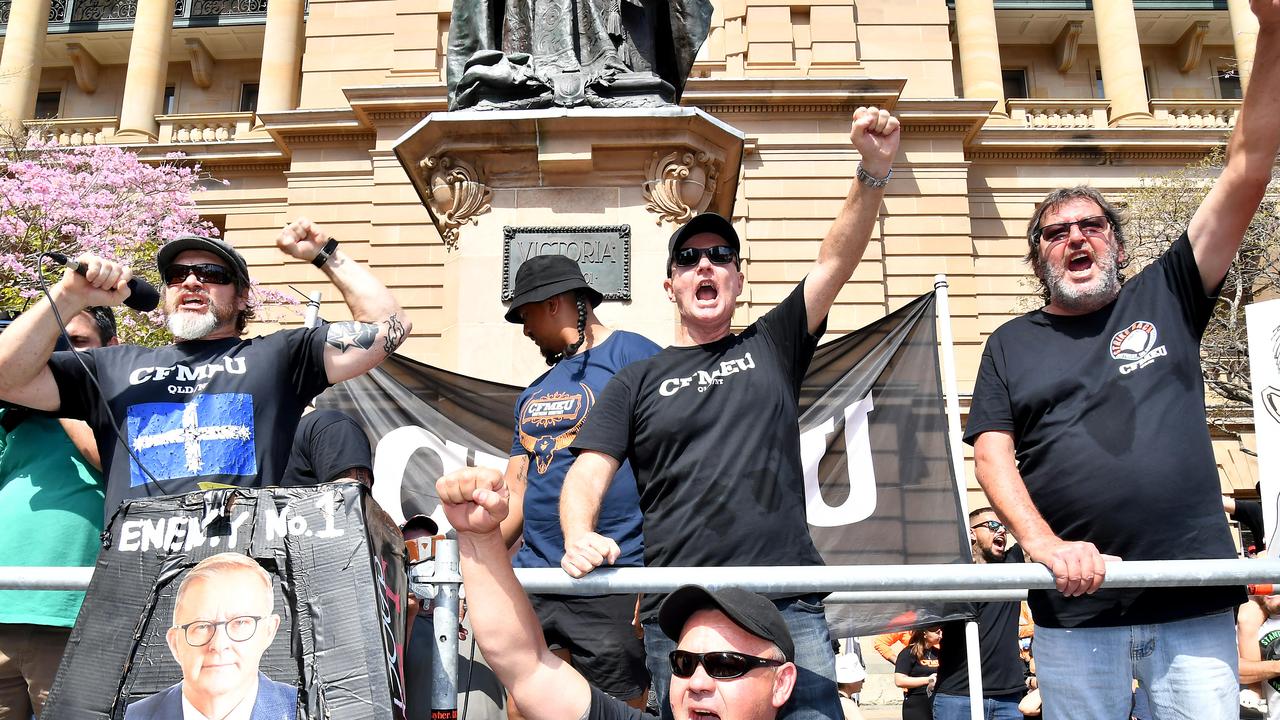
(207, 273)
(719, 665)
(992, 525)
(720, 255)
(1094, 226)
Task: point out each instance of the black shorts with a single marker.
(600, 638)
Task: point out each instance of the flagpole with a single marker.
(947, 357)
(312, 317)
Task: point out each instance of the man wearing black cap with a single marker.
(557, 308)
(214, 408)
(734, 659)
(710, 425)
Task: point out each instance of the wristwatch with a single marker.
(322, 257)
(869, 180)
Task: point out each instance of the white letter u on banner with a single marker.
(862, 478)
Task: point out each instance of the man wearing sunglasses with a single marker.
(710, 424)
(1089, 413)
(215, 408)
(734, 658)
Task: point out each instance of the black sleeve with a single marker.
(1183, 276)
(604, 707)
(991, 408)
(78, 396)
(787, 326)
(607, 428)
(305, 347)
(905, 661)
(333, 444)
(1249, 514)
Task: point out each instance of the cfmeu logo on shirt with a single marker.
(549, 412)
(1136, 345)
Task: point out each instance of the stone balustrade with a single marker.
(1062, 114)
(1195, 113)
(76, 132)
(203, 127)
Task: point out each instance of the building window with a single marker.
(48, 104)
(1015, 83)
(1101, 92)
(249, 97)
(170, 104)
(1229, 85)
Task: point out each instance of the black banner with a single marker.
(879, 484)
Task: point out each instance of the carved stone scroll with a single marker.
(457, 194)
(680, 184)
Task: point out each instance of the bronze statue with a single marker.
(521, 54)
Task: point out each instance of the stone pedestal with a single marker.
(481, 174)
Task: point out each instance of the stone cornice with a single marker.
(820, 95)
(311, 127)
(373, 104)
(949, 116)
(1100, 146)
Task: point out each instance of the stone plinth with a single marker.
(479, 173)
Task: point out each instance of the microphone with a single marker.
(142, 297)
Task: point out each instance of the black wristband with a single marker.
(322, 257)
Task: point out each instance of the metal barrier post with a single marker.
(975, 669)
(439, 580)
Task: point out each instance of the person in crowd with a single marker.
(215, 406)
(556, 306)
(1093, 407)
(735, 657)
(223, 621)
(710, 424)
(1003, 676)
(50, 515)
(850, 675)
(1249, 514)
(890, 644)
(915, 670)
(1258, 636)
(328, 446)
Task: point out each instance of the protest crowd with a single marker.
(665, 473)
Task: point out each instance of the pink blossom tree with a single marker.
(102, 200)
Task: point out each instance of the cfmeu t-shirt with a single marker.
(711, 432)
(1108, 420)
(548, 416)
(216, 411)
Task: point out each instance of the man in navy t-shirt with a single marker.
(556, 305)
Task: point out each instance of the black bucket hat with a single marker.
(750, 611)
(221, 248)
(545, 276)
(707, 222)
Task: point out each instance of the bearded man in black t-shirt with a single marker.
(710, 425)
(1089, 435)
(214, 408)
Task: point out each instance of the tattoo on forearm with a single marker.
(395, 334)
(346, 335)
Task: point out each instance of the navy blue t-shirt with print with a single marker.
(202, 411)
(1107, 415)
(548, 416)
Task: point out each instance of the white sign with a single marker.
(1263, 321)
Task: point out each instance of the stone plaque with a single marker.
(602, 251)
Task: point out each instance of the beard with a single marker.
(185, 325)
(1091, 296)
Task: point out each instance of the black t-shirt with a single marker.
(1249, 514)
(1107, 415)
(605, 707)
(1002, 667)
(911, 666)
(712, 435)
(204, 411)
(326, 445)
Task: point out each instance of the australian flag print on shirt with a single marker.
(210, 435)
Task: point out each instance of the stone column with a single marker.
(1121, 60)
(980, 52)
(1244, 30)
(20, 64)
(148, 68)
(281, 56)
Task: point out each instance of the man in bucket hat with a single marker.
(734, 658)
(556, 305)
(214, 408)
(710, 425)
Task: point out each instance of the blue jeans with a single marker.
(1188, 668)
(814, 697)
(997, 707)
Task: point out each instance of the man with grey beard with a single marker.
(214, 409)
(1088, 415)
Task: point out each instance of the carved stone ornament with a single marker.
(457, 195)
(681, 184)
